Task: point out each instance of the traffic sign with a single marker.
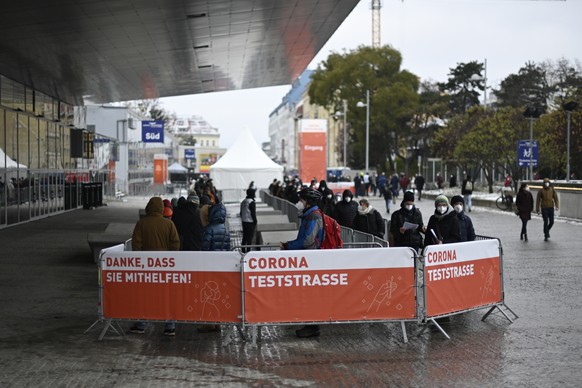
(524, 153)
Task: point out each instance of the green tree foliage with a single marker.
(529, 87)
(464, 85)
(393, 99)
(484, 139)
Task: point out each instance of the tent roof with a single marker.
(10, 163)
(177, 167)
(245, 154)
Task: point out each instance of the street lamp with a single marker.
(360, 104)
(345, 114)
(477, 77)
(532, 114)
(568, 107)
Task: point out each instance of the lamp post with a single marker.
(360, 104)
(531, 114)
(345, 114)
(568, 107)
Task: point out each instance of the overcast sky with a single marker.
(432, 35)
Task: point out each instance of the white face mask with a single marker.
(526, 188)
(361, 208)
(408, 207)
(300, 206)
(329, 196)
(347, 199)
(442, 209)
(547, 184)
(458, 208)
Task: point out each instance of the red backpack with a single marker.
(332, 237)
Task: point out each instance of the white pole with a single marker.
(568, 149)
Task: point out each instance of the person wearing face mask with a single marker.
(443, 225)
(547, 200)
(524, 202)
(309, 236)
(346, 210)
(406, 237)
(369, 220)
(326, 202)
(466, 229)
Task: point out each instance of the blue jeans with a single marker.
(548, 216)
(468, 201)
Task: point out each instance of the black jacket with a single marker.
(186, 217)
(345, 213)
(370, 222)
(445, 227)
(410, 238)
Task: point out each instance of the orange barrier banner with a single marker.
(181, 286)
(329, 285)
(462, 276)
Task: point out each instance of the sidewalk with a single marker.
(48, 284)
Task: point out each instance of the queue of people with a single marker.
(195, 223)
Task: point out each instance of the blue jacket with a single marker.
(216, 237)
(310, 232)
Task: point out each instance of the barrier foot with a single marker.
(431, 320)
(254, 335)
(90, 327)
(404, 336)
(502, 312)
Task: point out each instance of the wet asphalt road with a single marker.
(48, 286)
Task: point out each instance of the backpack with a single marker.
(332, 237)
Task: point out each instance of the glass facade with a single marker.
(37, 175)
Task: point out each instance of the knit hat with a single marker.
(194, 199)
(457, 199)
(408, 197)
(441, 200)
(167, 203)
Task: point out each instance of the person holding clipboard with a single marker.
(406, 225)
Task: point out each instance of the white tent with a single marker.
(7, 162)
(243, 163)
(177, 168)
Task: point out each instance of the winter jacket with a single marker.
(445, 227)
(467, 188)
(466, 230)
(369, 220)
(187, 220)
(216, 237)
(411, 237)
(153, 232)
(547, 198)
(310, 234)
(345, 213)
(248, 210)
(524, 203)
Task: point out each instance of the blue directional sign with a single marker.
(152, 131)
(189, 153)
(524, 153)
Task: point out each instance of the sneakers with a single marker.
(170, 332)
(136, 330)
(308, 331)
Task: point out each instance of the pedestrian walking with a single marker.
(419, 182)
(467, 192)
(524, 202)
(547, 200)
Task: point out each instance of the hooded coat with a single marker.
(216, 237)
(345, 212)
(153, 232)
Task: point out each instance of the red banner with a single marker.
(462, 276)
(160, 169)
(329, 285)
(312, 149)
(182, 286)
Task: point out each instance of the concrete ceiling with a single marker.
(97, 51)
